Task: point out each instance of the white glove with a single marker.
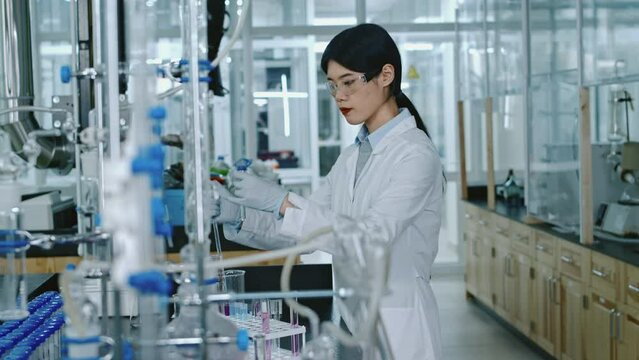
(224, 211)
(265, 171)
(257, 193)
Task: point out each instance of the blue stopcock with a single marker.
(242, 164)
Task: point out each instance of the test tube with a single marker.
(295, 341)
(266, 326)
(275, 307)
(259, 345)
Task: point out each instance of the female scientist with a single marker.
(390, 178)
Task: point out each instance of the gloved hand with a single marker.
(224, 211)
(263, 170)
(257, 193)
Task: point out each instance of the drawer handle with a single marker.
(599, 273)
(521, 238)
(541, 248)
(567, 259)
(633, 288)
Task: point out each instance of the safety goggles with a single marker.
(351, 84)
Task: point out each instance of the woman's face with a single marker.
(356, 98)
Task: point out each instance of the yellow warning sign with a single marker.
(412, 73)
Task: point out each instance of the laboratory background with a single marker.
(116, 116)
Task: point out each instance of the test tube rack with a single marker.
(279, 329)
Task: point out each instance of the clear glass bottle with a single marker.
(187, 325)
(13, 247)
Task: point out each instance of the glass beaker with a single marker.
(13, 248)
(233, 282)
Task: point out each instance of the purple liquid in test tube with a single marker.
(295, 341)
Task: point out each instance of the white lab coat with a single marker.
(400, 190)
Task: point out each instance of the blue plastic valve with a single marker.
(157, 112)
(65, 74)
(243, 164)
(151, 282)
(242, 339)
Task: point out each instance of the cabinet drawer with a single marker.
(545, 248)
(630, 285)
(604, 275)
(500, 228)
(471, 216)
(521, 238)
(484, 222)
(573, 260)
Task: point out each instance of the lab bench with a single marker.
(257, 279)
(573, 301)
(40, 261)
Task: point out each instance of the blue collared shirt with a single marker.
(379, 134)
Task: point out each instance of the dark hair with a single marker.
(366, 48)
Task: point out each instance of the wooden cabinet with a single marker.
(521, 238)
(545, 248)
(519, 291)
(612, 320)
(572, 265)
(502, 279)
(628, 337)
(630, 286)
(605, 274)
(573, 302)
(600, 327)
(472, 263)
(485, 292)
(546, 321)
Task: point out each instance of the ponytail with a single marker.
(404, 102)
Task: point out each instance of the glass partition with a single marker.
(409, 11)
(279, 12)
(506, 60)
(51, 50)
(281, 102)
(611, 41)
(333, 12)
